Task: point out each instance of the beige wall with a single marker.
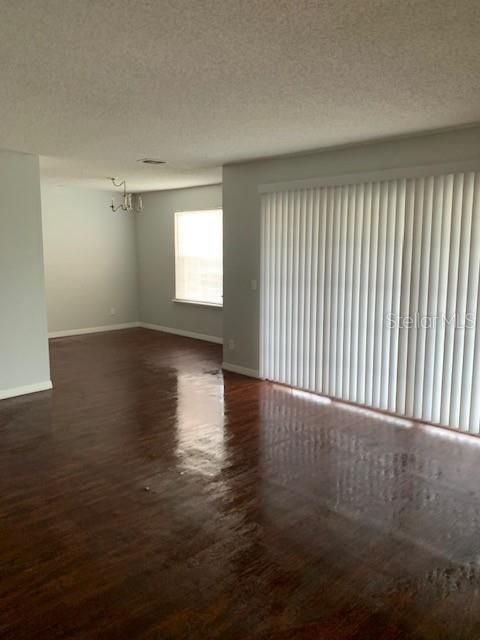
(156, 260)
(241, 209)
(24, 361)
(90, 260)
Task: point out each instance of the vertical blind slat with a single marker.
(379, 295)
(432, 295)
(371, 328)
(307, 366)
(357, 224)
(348, 322)
(321, 289)
(474, 420)
(328, 292)
(342, 251)
(470, 309)
(442, 297)
(399, 403)
(315, 202)
(337, 212)
(364, 295)
(398, 235)
(461, 300)
(453, 264)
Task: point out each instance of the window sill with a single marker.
(199, 304)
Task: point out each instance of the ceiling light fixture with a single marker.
(132, 202)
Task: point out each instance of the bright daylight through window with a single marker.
(199, 257)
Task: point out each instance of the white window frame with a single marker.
(198, 303)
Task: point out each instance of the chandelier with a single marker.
(131, 202)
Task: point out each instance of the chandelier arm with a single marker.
(130, 202)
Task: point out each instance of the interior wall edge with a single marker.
(24, 356)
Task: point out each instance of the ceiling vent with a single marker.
(151, 161)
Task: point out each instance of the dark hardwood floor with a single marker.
(151, 496)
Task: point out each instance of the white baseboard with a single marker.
(181, 332)
(81, 332)
(244, 371)
(28, 388)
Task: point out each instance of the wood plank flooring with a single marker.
(152, 496)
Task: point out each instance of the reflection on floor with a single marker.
(151, 496)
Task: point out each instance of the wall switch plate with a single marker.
(253, 285)
(113, 311)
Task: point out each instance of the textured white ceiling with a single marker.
(94, 85)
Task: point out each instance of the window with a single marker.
(199, 257)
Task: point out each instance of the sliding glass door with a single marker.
(370, 294)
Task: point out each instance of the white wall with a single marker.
(90, 260)
(156, 259)
(241, 213)
(24, 361)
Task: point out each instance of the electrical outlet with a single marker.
(231, 344)
(113, 311)
(253, 285)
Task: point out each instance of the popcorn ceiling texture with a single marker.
(94, 86)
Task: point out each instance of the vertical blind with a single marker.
(199, 256)
(370, 294)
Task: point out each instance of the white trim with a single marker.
(181, 332)
(244, 371)
(25, 389)
(375, 175)
(81, 332)
(199, 210)
(197, 303)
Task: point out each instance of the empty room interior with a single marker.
(239, 319)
